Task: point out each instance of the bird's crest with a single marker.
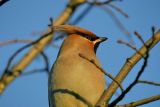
(70, 29)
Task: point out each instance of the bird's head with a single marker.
(79, 37)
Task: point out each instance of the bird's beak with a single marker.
(100, 39)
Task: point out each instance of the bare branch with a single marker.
(119, 10)
(109, 3)
(45, 57)
(27, 59)
(15, 41)
(105, 98)
(24, 47)
(118, 23)
(13, 74)
(77, 20)
(124, 93)
(128, 45)
(23, 41)
(82, 14)
(96, 2)
(153, 30)
(33, 71)
(141, 102)
(148, 82)
(139, 37)
(107, 74)
(102, 5)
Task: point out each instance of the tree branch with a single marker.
(141, 102)
(15, 41)
(148, 82)
(118, 23)
(124, 93)
(105, 73)
(33, 52)
(105, 98)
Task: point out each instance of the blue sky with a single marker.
(20, 19)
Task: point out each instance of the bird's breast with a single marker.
(77, 74)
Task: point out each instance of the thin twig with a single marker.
(32, 53)
(24, 47)
(23, 41)
(95, 2)
(15, 41)
(124, 93)
(118, 23)
(109, 3)
(107, 74)
(141, 102)
(46, 68)
(77, 20)
(153, 30)
(114, 17)
(139, 37)
(148, 82)
(119, 10)
(130, 46)
(33, 71)
(107, 95)
(82, 15)
(45, 57)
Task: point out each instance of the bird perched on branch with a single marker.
(74, 81)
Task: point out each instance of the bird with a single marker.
(74, 81)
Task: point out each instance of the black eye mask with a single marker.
(90, 38)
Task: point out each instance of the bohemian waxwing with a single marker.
(75, 81)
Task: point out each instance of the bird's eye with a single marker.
(88, 37)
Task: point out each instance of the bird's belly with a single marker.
(79, 81)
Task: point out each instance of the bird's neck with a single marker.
(75, 49)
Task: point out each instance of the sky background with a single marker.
(27, 19)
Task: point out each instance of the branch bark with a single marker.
(141, 102)
(130, 62)
(34, 52)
